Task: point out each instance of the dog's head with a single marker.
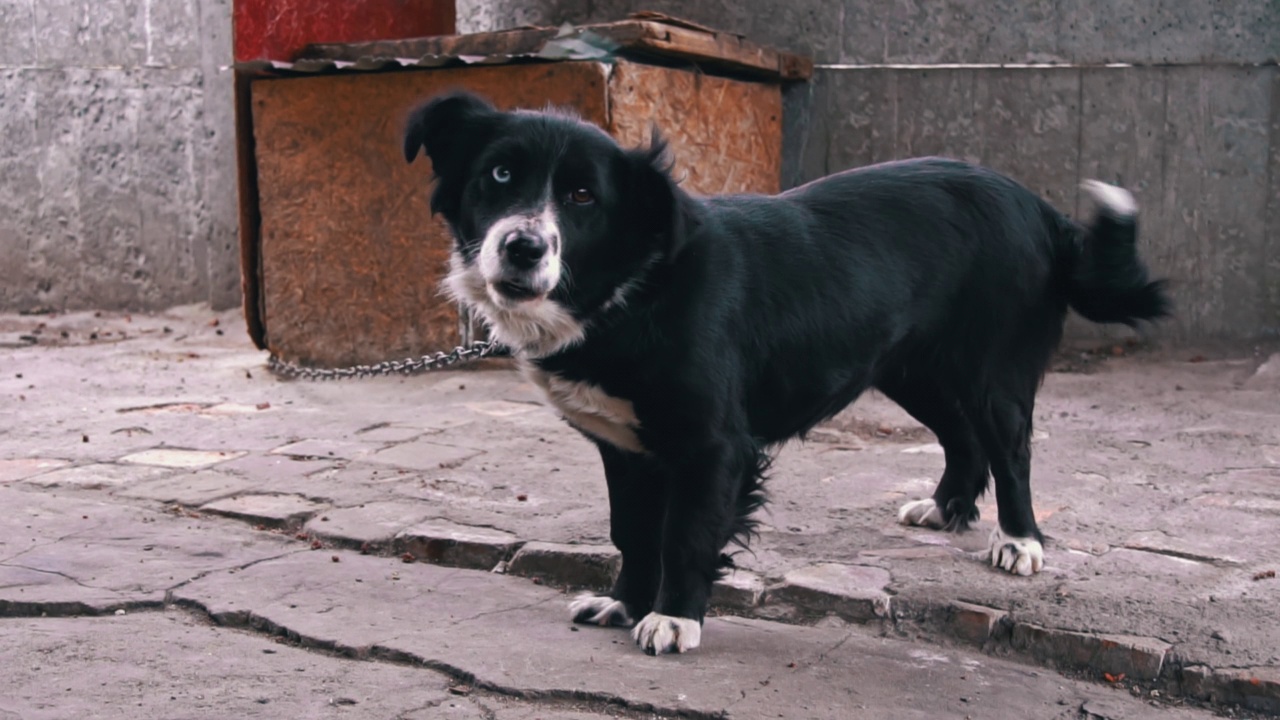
(553, 221)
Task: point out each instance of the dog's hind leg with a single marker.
(636, 493)
(952, 506)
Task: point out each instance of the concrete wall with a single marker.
(1195, 132)
(1197, 144)
(117, 169)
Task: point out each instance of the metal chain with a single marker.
(408, 366)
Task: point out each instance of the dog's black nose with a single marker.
(523, 250)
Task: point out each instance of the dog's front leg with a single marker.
(698, 512)
(636, 501)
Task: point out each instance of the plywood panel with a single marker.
(726, 134)
(351, 258)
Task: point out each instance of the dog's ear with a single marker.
(665, 211)
(452, 128)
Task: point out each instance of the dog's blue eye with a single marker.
(501, 174)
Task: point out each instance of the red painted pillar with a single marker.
(279, 29)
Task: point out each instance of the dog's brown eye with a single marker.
(581, 196)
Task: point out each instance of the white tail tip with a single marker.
(1114, 200)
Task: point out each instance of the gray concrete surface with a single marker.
(151, 465)
(117, 167)
(354, 639)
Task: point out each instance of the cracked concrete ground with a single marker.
(150, 466)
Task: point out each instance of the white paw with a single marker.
(657, 634)
(1021, 556)
(924, 513)
(600, 610)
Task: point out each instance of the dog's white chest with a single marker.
(590, 409)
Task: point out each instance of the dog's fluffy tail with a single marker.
(1108, 281)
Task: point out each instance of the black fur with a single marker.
(754, 318)
(452, 129)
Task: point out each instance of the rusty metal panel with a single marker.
(351, 259)
(726, 134)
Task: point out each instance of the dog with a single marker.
(689, 336)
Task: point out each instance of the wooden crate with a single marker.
(347, 259)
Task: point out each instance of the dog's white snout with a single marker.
(520, 257)
(523, 249)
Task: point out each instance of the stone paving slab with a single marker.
(338, 486)
(274, 468)
(327, 450)
(388, 433)
(739, 590)
(273, 511)
(169, 665)
(1155, 481)
(62, 555)
(21, 468)
(180, 458)
(373, 526)
(975, 624)
(446, 543)
(425, 455)
(190, 489)
(96, 476)
(852, 592)
(579, 566)
(1139, 658)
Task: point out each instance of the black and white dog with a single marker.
(687, 336)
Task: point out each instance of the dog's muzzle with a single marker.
(521, 257)
(520, 254)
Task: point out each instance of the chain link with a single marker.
(408, 366)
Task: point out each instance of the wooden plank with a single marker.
(248, 212)
(523, 41)
(717, 49)
(711, 51)
(654, 16)
(636, 39)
